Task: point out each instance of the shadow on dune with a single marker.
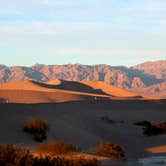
(72, 86)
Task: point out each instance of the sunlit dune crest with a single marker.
(109, 89)
(23, 85)
(54, 82)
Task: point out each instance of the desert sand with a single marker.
(30, 91)
(35, 92)
(76, 116)
(109, 89)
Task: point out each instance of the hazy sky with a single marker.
(114, 32)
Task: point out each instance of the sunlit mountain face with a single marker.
(146, 79)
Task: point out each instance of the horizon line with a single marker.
(77, 63)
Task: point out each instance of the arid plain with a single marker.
(80, 112)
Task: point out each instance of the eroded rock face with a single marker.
(157, 90)
(136, 78)
(137, 83)
(158, 69)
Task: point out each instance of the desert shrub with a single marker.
(142, 123)
(57, 147)
(44, 161)
(37, 128)
(151, 129)
(39, 137)
(155, 129)
(109, 149)
(15, 155)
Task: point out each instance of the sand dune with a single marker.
(75, 86)
(30, 91)
(24, 85)
(54, 82)
(95, 86)
(35, 92)
(109, 89)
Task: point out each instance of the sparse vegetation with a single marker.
(110, 121)
(57, 147)
(151, 129)
(18, 155)
(15, 155)
(142, 123)
(38, 128)
(109, 149)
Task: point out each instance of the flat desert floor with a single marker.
(81, 123)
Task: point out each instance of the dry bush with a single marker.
(109, 149)
(142, 123)
(57, 147)
(151, 129)
(37, 128)
(15, 155)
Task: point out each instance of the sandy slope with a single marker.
(35, 92)
(109, 89)
(75, 86)
(94, 86)
(54, 82)
(59, 91)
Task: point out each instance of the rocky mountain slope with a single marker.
(158, 69)
(157, 90)
(136, 78)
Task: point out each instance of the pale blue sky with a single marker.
(115, 32)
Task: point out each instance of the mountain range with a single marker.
(148, 78)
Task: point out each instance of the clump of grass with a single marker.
(109, 149)
(57, 148)
(38, 128)
(15, 155)
(18, 155)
